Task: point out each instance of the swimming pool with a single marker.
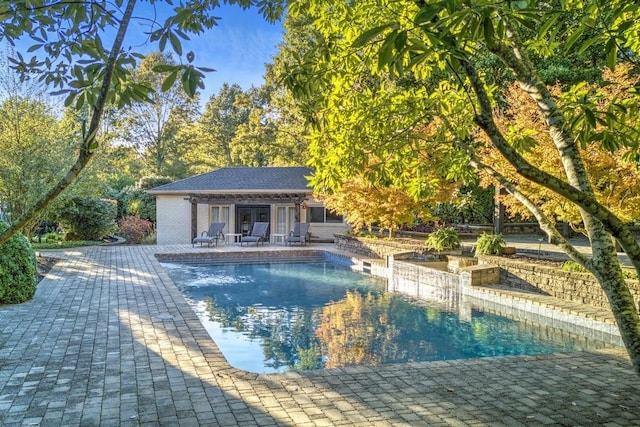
(274, 317)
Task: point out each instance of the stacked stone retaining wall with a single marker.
(545, 279)
(549, 280)
(381, 248)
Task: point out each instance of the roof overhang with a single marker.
(247, 198)
(229, 192)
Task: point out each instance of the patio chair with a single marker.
(258, 234)
(212, 235)
(299, 234)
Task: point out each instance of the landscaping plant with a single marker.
(490, 244)
(87, 218)
(443, 239)
(134, 228)
(18, 270)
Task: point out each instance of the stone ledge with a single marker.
(482, 275)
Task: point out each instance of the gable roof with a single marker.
(242, 180)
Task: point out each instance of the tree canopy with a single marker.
(152, 127)
(386, 82)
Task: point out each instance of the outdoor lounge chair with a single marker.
(299, 234)
(258, 234)
(212, 235)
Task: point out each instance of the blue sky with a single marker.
(237, 48)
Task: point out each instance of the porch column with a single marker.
(297, 214)
(194, 219)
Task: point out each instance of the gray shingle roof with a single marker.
(243, 179)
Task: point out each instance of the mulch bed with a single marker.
(44, 265)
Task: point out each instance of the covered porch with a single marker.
(239, 211)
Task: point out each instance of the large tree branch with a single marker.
(88, 144)
(575, 171)
(484, 119)
(544, 222)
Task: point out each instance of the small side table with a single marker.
(278, 238)
(232, 238)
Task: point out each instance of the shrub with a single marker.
(628, 273)
(87, 218)
(444, 238)
(490, 244)
(573, 266)
(151, 239)
(134, 228)
(18, 269)
(134, 200)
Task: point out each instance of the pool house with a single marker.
(239, 197)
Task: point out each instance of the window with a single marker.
(286, 216)
(319, 214)
(221, 214)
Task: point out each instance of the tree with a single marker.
(151, 127)
(253, 140)
(69, 54)
(135, 201)
(283, 114)
(615, 176)
(365, 204)
(418, 62)
(217, 128)
(87, 218)
(34, 146)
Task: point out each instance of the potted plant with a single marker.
(443, 239)
(490, 244)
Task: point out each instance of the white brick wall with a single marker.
(326, 231)
(173, 215)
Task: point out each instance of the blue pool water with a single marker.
(275, 317)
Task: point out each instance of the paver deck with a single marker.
(109, 340)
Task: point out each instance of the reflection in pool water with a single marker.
(280, 316)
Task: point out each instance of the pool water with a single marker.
(276, 317)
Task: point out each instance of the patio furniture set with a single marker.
(298, 234)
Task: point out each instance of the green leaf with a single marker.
(573, 38)
(426, 14)
(34, 47)
(611, 48)
(400, 41)
(489, 34)
(553, 18)
(370, 34)
(587, 44)
(163, 68)
(169, 81)
(162, 44)
(385, 54)
(591, 118)
(175, 43)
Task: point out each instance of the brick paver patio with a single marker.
(109, 340)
